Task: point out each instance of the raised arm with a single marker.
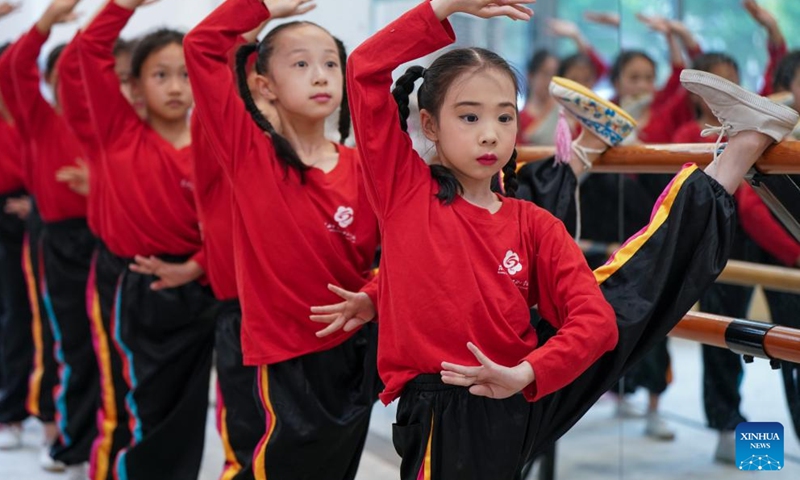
(111, 114)
(207, 48)
(570, 30)
(776, 42)
(73, 100)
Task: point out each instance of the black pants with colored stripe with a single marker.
(443, 432)
(16, 341)
(317, 409)
(239, 418)
(166, 340)
(44, 376)
(113, 433)
(66, 248)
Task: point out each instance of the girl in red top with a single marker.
(433, 218)
(164, 337)
(66, 243)
(16, 354)
(301, 220)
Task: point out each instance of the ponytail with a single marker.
(510, 182)
(283, 149)
(344, 110)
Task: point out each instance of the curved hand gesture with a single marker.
(655, 23)
(60, 11)
(7, 7)
(563, 28)
(170, 275)
(289, 8)
(75, 176)
(603, 18)
(513, 9)
(488, 379)
(356, 310)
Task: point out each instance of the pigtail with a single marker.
(449, 186)
(403, 88)
(344, 110)
(510, 182)
(283, 148)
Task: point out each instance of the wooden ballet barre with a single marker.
(778, 159)
(752, 339)
(736, 272)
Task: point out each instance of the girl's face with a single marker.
(539, 82)
(164, 84)
(476, 128)
(582, 73)
(637, 78)
(305, 75)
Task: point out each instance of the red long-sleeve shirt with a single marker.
(10, 159)
(148, 188)
(755, 217)
(453, 274)
(49, 142)
(75, 109)
(290, 239)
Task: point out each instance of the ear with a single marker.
(264, 88)
(429, 127)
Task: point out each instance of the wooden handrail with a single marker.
(780, 343)
(780, 158)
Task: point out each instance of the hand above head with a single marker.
(170, 275)
(603, 18)
(134, 4)
(75, 176)
(7, 7)
(656, 23)
(563, 28)
(356, 310)
(765, 19)
(513, 9)
(289, 8)
(488, 379)
(59, 11)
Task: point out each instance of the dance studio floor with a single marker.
(599, 447)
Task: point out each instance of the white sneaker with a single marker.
(726, 448)
(47, 462)
(657, 428)
(737, 109)
(77, 472)
(10, 437)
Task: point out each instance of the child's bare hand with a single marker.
(488, 379)
(21, 207)
(7, 7)
(563, 28)
(655, 23)
(513, 9)
(76, 177)
(170, 275)
(59, 11)
(760, 14)
(289, 8)
(603, 18)
(356, 310)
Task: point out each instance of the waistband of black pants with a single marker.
(67, 224)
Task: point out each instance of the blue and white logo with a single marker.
(759, 446)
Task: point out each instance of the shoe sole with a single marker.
(577, 87)
(689, 78)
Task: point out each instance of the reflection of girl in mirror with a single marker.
(539, 117)
(586, 66)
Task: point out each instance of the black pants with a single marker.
(16, 341)
(66, 257)
(239, 418)
(113, 433)
(317, 409)
(44, 376)
(443, 432)
(165, 339)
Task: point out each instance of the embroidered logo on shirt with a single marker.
(511, 264)
(187, 184)
(344, 216)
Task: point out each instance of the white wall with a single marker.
(347, 19)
